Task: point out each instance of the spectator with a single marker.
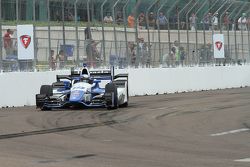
(142, 21)
(93, 56)
(58, 17)
(119, 18)
(69, 16)
(215, 22)
(207, 21)
(242, 22)
(108, 19)
(175, 54)
(162, 21)
(131, 21)
(193, 20)
(52, 60)
(182, 55)
(8, 43)
(234, 24)
(87, 33)
(60, 60)
(174, 21)
(143, 53)
(151, 21)
(132, 53)
(248, 23)
(226, 21)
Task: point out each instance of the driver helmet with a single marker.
(85, 76)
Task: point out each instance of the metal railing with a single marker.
(83, 36)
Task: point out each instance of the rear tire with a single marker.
(112, 103)
(47, 91)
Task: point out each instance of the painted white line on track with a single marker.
(243, 160)
(162, 108)
(231, 132)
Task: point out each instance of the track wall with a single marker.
(19, 89)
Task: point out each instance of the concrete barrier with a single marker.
(19, 89)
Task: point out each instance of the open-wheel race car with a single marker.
(85, 88)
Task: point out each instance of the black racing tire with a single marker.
(46, 90)
(111, 88)
(46, 109)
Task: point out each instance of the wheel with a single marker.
(46, 90)
(111, 96)
(46, 109)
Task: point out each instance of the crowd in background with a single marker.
(209, 22)
(138, 53)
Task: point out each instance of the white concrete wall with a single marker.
(19, 89)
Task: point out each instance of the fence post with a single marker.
(149, 43)
(221, 29)
(242, 41)
(136, 30)
(248, 36)
(159, 33)
(1, 39)
(235, 36)
(17, 10)
(63, 22)
(168, 15)
(34, 32)
(196, 32)
(114, 26)
(204, 32)
(49, 35)
(222, 6)
(228, 33)
(178, 19)
(88, 12)
(125, 29)
(103, 33)
(76, 28)
(34, 10)
(222, 14)
(187, 27)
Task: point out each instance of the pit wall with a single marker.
(19, 89)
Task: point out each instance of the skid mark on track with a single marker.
(55, 130)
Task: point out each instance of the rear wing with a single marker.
(121, 76)
(68, 77)
(94, 74)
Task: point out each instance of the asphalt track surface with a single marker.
(200, 129)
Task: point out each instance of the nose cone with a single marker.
(76, 96)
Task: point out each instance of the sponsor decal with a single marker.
(25, 40)
(218, 42)
(218, 45)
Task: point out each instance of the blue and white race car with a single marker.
(82, 89)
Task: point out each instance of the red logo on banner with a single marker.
(219, 45)
(25, 40)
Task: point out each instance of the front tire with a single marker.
(45, 91)
(111, 96)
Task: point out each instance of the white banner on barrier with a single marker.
(218, 41)
(25, 42)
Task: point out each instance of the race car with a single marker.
(82, 88)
